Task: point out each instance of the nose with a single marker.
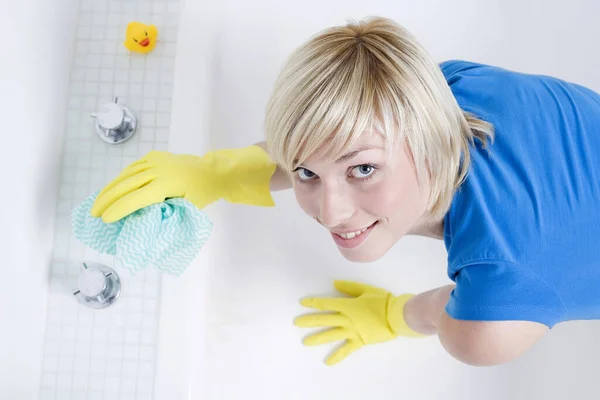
(336, 206)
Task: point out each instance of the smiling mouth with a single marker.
(351, 235)
(145, 42)
(351, 240)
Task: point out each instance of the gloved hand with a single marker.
(237, 175)
(373, 315)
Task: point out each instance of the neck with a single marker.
(429, 228)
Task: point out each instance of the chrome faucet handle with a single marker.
(98, 286)
(115, 123)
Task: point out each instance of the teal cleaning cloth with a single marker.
(165, 236)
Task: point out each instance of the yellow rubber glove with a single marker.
(373, 315)
(237, 175)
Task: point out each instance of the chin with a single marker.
(366, 255)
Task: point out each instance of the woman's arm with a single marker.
(480, 343)
(279, 180)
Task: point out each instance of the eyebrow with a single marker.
(353, 153)
(349, 155)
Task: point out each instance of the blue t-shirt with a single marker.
(523, 231)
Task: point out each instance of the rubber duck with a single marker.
(140, 38)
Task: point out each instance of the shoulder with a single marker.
(485, 343)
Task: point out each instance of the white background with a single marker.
(37, 43)
(226, 325)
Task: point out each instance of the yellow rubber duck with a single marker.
(140, 38)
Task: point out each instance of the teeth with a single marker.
(351, 235)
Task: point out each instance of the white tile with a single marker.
(114, 6)
(114, 367)
(81, 48)
(81, 364)
(78, 395)
(132, 336)
(152, 76)
(48, 380)
(137, 62)
(98, 20)
(100, 334)
(97, 34)
(128, 385)
(67, 348)
(110, 47)
(92, 74)
(98, 365)
(148, 337)
(68, 332)
(162, 134)
(112, 395)
(146, 369)
(95, 396)
(113, 33)
(149, 105)
(173, 22)
(91, 88)
(115, 351)
(166, 90)
(96, 382)
(115, 335)
(107, 75)
(80, 379)
(147, 119)
(121, 75)
(51, 346)
(122, 62)
(47, 394)
(143, 396)
(130, 368)
(146, 353)
(64, 380)
(135, 89)
(147, 134)
(99, 349)
(173, 7)
(134, 304)
(65, 363)
(164, 105)
(87, 5)
(137, 76)
(159, 7)
(82, 348)
(150, 90)
(130, 352)
(112, 383)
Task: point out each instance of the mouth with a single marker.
(351, 240)
(145, 42)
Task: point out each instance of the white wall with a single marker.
(37, 43)
(233, 336)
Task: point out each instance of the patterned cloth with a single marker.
(166, 236)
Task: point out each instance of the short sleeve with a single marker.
(502, 291)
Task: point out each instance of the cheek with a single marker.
(306, 201)
(385, 200)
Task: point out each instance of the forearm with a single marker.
(423, 312)
(279, 181)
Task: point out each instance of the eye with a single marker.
(146, 32)
(305, 174)
(362, 171)
(135, 40)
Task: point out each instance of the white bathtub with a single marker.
(226, 327)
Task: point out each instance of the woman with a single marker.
(378, 141)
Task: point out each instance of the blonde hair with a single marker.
(372, 75)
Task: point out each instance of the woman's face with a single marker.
(366, 199)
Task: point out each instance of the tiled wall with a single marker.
(107, 353)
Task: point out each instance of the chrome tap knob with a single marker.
(115, 123)
(98, 286)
